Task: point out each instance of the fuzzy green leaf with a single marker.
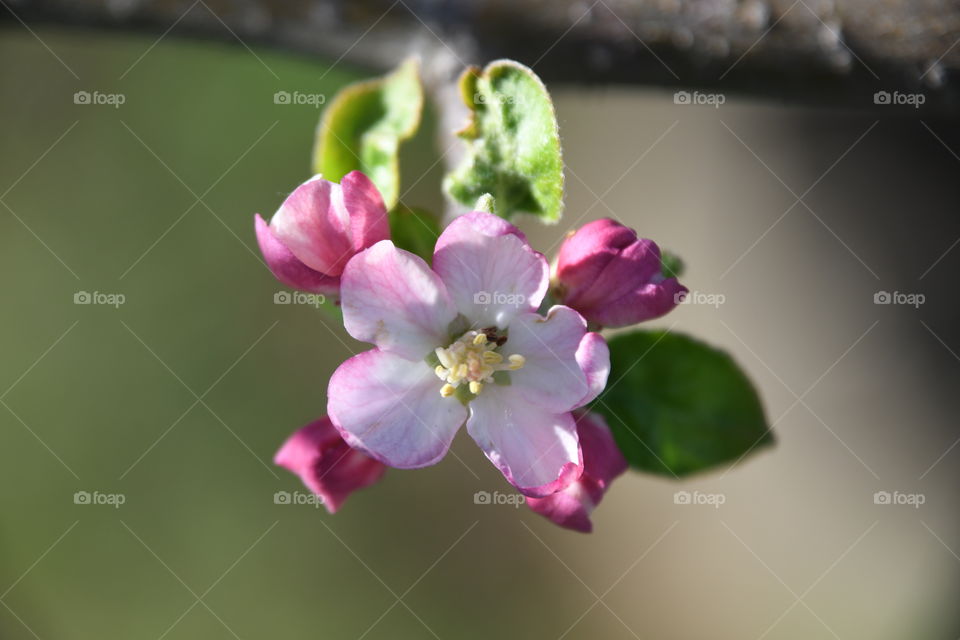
(513, 147)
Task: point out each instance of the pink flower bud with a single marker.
(319, 227)
(602, 462)
(612, 277)
(326, 464)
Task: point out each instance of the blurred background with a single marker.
(171, 391)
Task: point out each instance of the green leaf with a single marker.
(677, 406)
(671, 265)
(513, 147)
(414, 230)
(363, 127)
(332, 308)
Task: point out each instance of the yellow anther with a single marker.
(479, 339)
(441, 372)
(476, 387)
(517, 361)
(447, 390)
(492, 357)
(443, 357)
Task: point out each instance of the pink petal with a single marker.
(602, 458)
(602, 462)
(489, 269)
(392, 299)
(313, 228)
(368, 215)
(536, 450)
(551, 377)
(391, 409)
(571, 507)
(593, 356)
(490, 225)
(647, 302)
(287, 268)
(326, 464)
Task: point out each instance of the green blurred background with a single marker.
(178, 398)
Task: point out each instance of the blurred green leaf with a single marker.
(331, 306)
(363, 127)
(513, 144)
(677, 406)
(671, 265)
(414, 230)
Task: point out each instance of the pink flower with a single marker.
(602, 462)
(326, 464)
(318, 228)
(612, 277)
(462, 343)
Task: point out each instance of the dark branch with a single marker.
(826, 52)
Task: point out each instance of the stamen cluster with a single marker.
(473, 359)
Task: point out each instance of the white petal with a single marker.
(392, 299)
(489, 269)
(391, 408)
(536, 450)
(551, 376)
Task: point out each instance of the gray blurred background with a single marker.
(177, 399)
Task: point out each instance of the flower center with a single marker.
(472, 360)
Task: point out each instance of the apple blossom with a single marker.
(612, 277)
(318, 228)
(463, 343)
